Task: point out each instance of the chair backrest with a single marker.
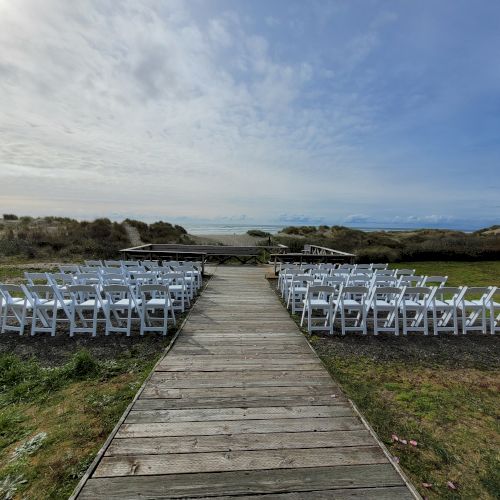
(405, 272)
(321, 290)
(385, 272)
(480, 293)
(449, 292)
(435, 281)
(83, 292)
(407, 280)
(88, 278)
(113, 263)
(386, 292)
(423, 293)
(61, 279)
(155, 290)
(36, 278)
(10, 291)
(69, 268)
(40, 292)
(93, 263)
(380, 267)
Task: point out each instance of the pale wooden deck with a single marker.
(241, 406)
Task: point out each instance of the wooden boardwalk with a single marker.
(241, 406)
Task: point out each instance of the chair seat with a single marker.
(89, 303)
(383, 303)
(317, 302)
(121, 302)
(158, 302)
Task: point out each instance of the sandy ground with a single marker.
(240, 240)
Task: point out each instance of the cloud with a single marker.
(184, 109)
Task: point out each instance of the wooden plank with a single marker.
(239, 427)
(270, 441)
(152, 391)
(223, 414)
(384, 493)
(353, 477)
(157, 403)
(144, 465)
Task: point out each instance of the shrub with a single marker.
(258, 233)
(10, 217)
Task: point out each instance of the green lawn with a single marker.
(483, 273)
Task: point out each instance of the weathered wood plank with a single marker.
(384, 493)
(269, 441)
(152, 391)
(143, 465)
(244, 483)
(216, 414)
(144, 403)
(239, 427)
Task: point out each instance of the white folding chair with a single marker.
(84, 299)
(384, 302)
(352, 307)
(46, 303)
(445, 306)
(119, 305)
(473, 306)
(416, 303)
(380, 267)
(178, 289)
(318, 298)
(494, 306)
(297, 291)
(155, 298)
(16, 306)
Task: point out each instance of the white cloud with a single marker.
(148, 108)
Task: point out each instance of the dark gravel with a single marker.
(53, 351)
(464, 351)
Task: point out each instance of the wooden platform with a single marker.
(241, 406)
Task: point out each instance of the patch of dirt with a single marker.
(465, 351)
(54, 351)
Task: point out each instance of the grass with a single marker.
(482, 273)
(76, 405)
(452, 414)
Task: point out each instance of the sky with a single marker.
(368, 113)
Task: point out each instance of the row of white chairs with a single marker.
(356, 298)
(84, 299)
(84, 306)
(471, 308)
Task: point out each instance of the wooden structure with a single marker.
(312, 254)
(242, 407)
(202, 253)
